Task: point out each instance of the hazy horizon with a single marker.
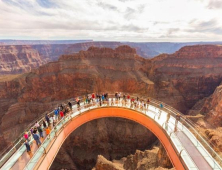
(88, 40)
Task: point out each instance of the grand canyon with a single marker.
(110, 85)
(36, 78)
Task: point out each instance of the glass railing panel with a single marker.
(188, 161)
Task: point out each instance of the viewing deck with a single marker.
(184, 145)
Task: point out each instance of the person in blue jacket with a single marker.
(27, 145)
(37, 138)
(56, 112)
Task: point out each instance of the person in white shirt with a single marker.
(36, 124)
(51, 121)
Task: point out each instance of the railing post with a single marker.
(180, 152)
(44, 150)
(171, 133)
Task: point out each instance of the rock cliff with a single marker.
(21, 56)
(18, 59)
(211, 108)
(183, 78)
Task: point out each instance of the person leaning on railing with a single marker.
(27, 145)
(61, 114)
(26, 136)
(70, 105)
(47, 118)
(168, 117)
(36, 138)
(47, 131)
(178, 116)
(56, 112)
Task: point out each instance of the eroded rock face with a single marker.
(211, 108)
(185, 77)
(103, 164)
(16, 59)
(149, 159)
(113, 138)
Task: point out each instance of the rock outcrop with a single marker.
(103, 164)
(149, 159)
(18, 59)
(212, 107)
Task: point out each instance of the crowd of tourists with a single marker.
(42, 130)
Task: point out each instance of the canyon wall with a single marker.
(21, 56)
(211, 108)
(187, 76)
(19, 59)
(16, 59)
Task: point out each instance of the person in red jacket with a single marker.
(93, 96)
(61, 114)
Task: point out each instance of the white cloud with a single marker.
(120, 20)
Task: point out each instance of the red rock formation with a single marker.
(75, 48)
(103, 164)
(149, 159)
(185, 77)
(211, 108)
(18, 59)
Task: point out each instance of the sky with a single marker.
(112, 20)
